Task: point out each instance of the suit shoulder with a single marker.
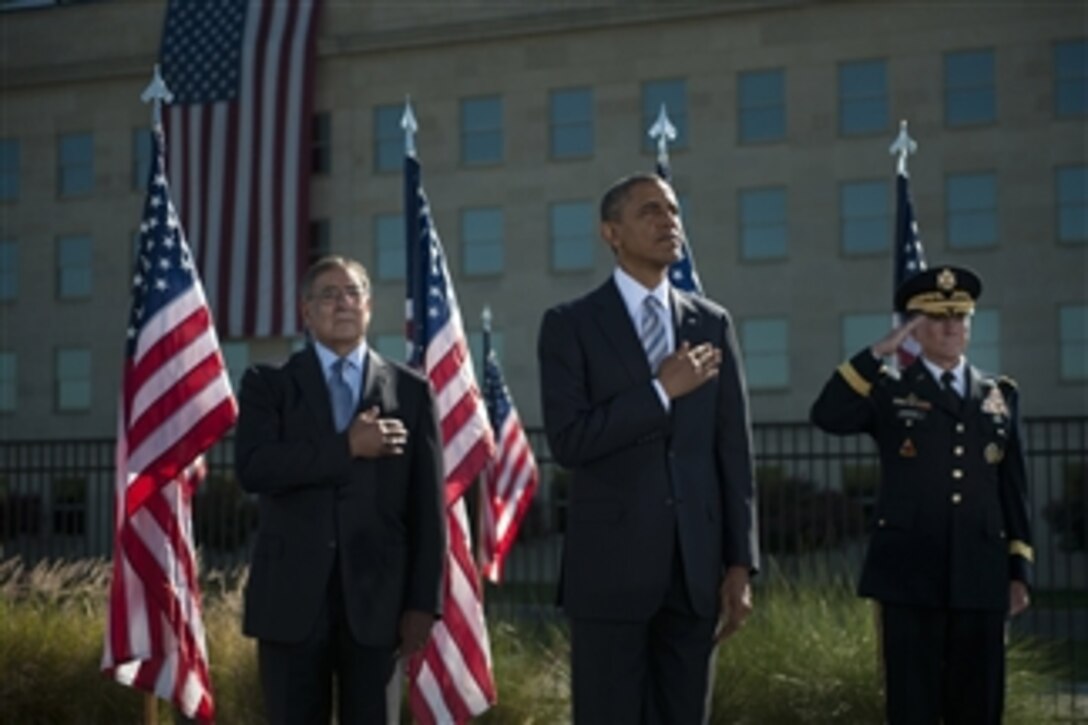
(705, 305)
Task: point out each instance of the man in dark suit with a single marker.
(342, 448)
(950, 554)
(644, 401)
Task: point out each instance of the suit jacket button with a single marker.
(881, 523)
(959, 427)
(957, 473)
(332, 543)
(669, 501)
(957, 497)
(958, 450)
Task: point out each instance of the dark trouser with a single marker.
(297, 678)
(643, 673)
(943, 665)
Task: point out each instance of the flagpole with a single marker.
(662, 131)
(902, 147)
(156, 94)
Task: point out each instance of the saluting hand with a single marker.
(888, 344)
(688, 368)
(372, 437)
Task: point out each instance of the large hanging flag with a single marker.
(682, 274)
(242, 75)
(451, 681)
(512, 476)
(909, 257)
(176, 402)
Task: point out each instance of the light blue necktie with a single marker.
(343, 401)
(652, 332)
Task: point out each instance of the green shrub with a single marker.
(806, 655)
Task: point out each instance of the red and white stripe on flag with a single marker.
(450, 681)
(242, 78)
(512, 476)
(176, 402)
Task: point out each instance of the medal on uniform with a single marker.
(907, 450)
(993, 453)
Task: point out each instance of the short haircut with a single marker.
(617, 194)
(330, 262)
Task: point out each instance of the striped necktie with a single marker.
(340, 395)
(652, 332)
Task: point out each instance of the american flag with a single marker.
(910, 257)
(682, 274)
(451, 680)
(242, 76)
(176, 402)
(512, 476)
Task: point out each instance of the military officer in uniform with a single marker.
(949, 559)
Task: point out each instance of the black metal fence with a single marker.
(815, 497)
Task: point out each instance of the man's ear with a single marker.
(608, 234)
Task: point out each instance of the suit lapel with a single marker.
(376, 390)
(930, 389)
(685, 316)
(306, 370)
(615, 325)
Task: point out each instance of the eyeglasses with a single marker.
(332, 295)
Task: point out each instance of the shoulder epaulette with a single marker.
(1006, 380)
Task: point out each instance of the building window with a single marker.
(571, 123)
(321, 144)
(572, 235)
(861, 330)
(392, 346)
(236, 357)
(1073, 338)
(391, 262)
(75, 152)
(73, 267)
(1071, 79)
(70, 506)
(141, 158)
(481, 241)
(971, 204)
(1072, 182)
(761, 105)
(863, 97)
(481, 130)
(864, 216)
(984, 348)
(73, 379)
(9, 270)
(388, 138)
(766, 346)
(674, 95)
(969, 95)
(8, 387)
(320, 239)
(763, 227)
(9, 169)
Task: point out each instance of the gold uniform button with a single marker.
(959, 427)
(958, 450)
(957, 473)
(956, 498)
(881, 523)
